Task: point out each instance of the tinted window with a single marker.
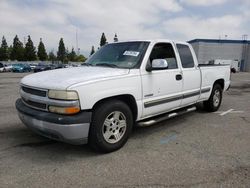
(187, 60)
(164, 51)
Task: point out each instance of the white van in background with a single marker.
(234, 64)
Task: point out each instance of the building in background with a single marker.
(212, 49)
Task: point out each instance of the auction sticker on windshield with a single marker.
(131, 53)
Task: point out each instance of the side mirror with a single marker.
(158, 64)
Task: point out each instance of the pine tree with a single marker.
(72, 55)
(61, 54)
(41, 53)
(30, 51)
(115, 38)
(66, 55)
(10, 50)
(92, 50)
(17, 52)
(4, 53)
(103, 40)
(52, 56)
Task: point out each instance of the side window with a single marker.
(187, 60)
(164, 51)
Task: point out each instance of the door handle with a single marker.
(178, 77)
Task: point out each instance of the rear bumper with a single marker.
(71, 129)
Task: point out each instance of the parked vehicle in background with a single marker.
(21, 67)
(42, 67)
(33, 65)
(1, 67)
(52, 66)
(234, 64)
(75, 65)
(7, 68)
(124, 84)
(59, 66)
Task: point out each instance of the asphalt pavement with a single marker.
(198, 149)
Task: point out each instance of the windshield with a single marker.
(119, 55)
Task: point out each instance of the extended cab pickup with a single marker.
(123, 84)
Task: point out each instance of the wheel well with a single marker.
(221, 82)
(128, 99)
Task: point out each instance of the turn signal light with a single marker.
(64, 110)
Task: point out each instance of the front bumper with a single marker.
(71, 129)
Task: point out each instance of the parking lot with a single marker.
(198, 149)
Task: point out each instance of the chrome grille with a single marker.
(36, 105)
(33, 97)
(33, 91)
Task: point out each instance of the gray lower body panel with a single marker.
(71, 133)
(72, 129)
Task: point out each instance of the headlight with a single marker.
(63, 95)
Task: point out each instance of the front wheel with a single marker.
(111, 125)
(214, 101)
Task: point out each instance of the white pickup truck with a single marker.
(122, 85)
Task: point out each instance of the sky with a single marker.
(131, 19)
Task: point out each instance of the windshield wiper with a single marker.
(107, 65)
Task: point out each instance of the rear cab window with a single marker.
(186, 56)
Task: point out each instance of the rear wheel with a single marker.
(111, 125)
(214, 101)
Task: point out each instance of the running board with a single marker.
(157, 119)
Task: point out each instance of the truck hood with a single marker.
(63, 78)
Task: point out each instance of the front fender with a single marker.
(91, 93)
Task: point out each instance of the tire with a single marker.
(112, 122)
(214, 101)
(233, 70)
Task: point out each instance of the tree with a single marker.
(103, 40)
(4, 53)
(81, 58)
(52, 56)
(41, 53)
(61, 54)
(17, 52)
(72, 55)
(10, 50)
(92, 50)
(115, 38)
(66, 55)
(30, 50)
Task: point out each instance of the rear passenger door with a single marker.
(190, 73)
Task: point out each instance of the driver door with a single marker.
(162, 88)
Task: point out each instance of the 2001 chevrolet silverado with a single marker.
(121, 85)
